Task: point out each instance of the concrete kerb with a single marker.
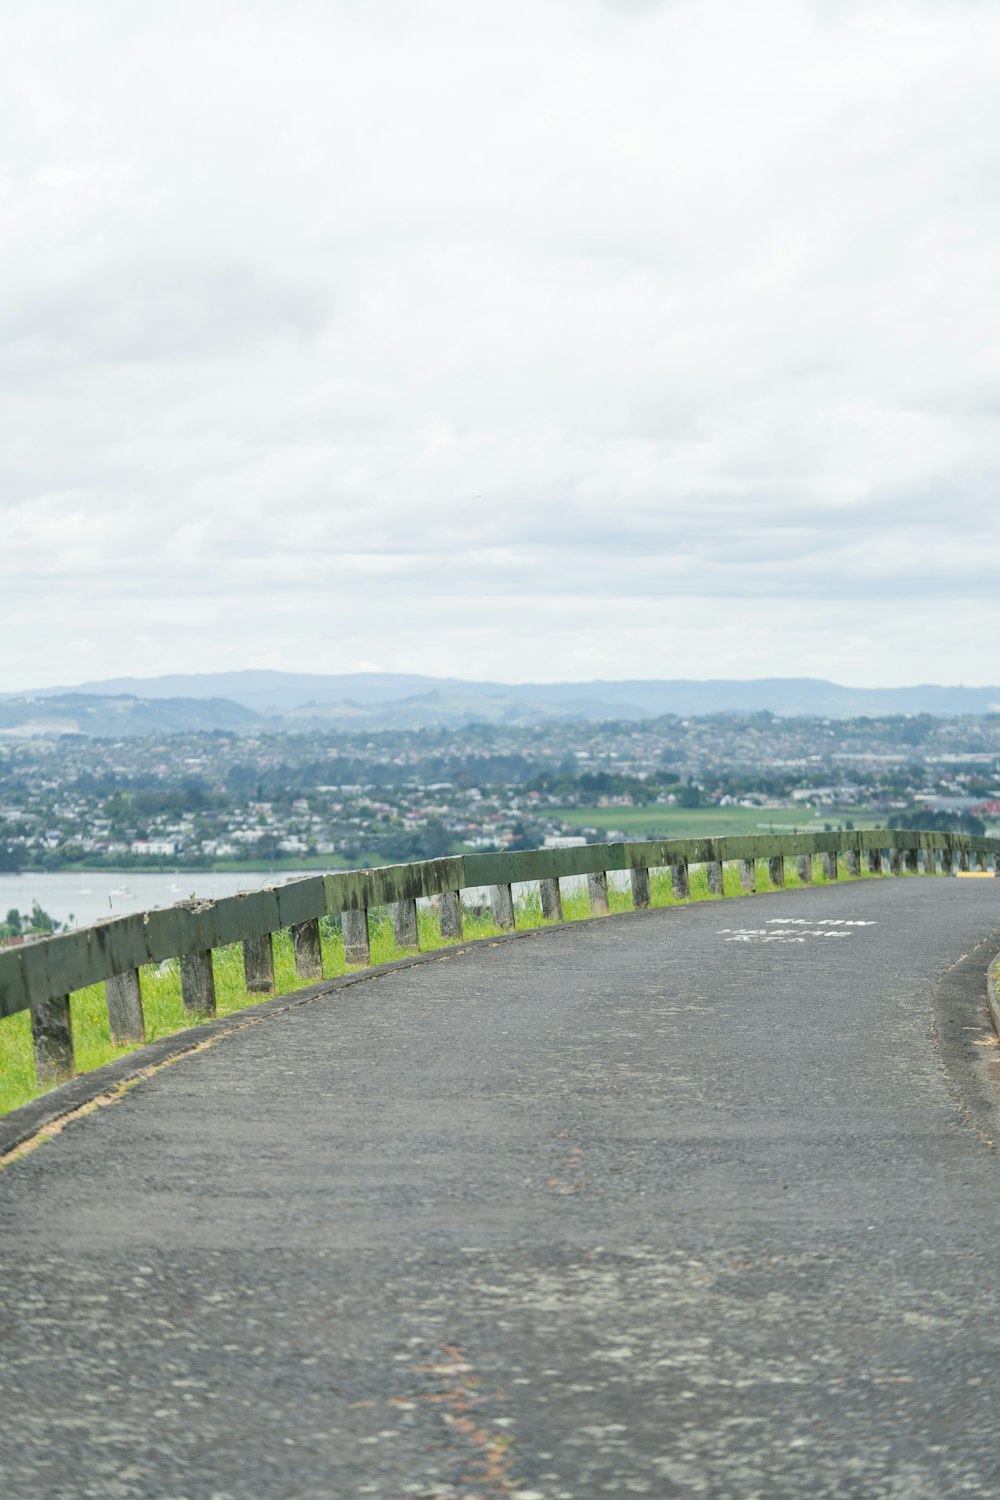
(993, 993)
(957, 1015)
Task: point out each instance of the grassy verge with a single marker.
(161, 987)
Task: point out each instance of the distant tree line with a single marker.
(18, 924)
(938, 822)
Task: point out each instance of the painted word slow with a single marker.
(794, 930)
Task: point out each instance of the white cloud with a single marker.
(550, 340)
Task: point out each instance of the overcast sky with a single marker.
(531, 339)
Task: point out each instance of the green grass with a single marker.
(658, 821)
(161, 988)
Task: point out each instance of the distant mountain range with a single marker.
(251, 701)
(107, 716)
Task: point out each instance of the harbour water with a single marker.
(77, 900)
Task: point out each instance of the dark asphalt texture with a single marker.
(637, 1207)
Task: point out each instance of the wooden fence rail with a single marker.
(39, 977)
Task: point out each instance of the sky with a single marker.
(533, 340)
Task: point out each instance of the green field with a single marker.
(658, 821)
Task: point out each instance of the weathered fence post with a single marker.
(912, 861)
(930, 861)
(748, 875)
(805, 867)
(640, 888)
(830, 865)
(996, 864)
(680, 883)
(502, 907)
(981, 861)
(551, 898)
(853, 858)
(963, 859)
(258, 964)
(198, 982)
(776, 869)
(713, 869)
(450, 914)
(357, 938)
(52, 1036)
(404, 924)
(597, 893)
(947, 862)
(124, 1001)
(308, 949)
(874, 861)
(895, 861)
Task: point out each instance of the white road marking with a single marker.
(794, 930)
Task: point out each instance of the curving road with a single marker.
(651, 1206)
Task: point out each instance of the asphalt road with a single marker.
(640, 1207)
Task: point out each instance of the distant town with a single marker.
(215, 800)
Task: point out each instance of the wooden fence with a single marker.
(39, 977)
